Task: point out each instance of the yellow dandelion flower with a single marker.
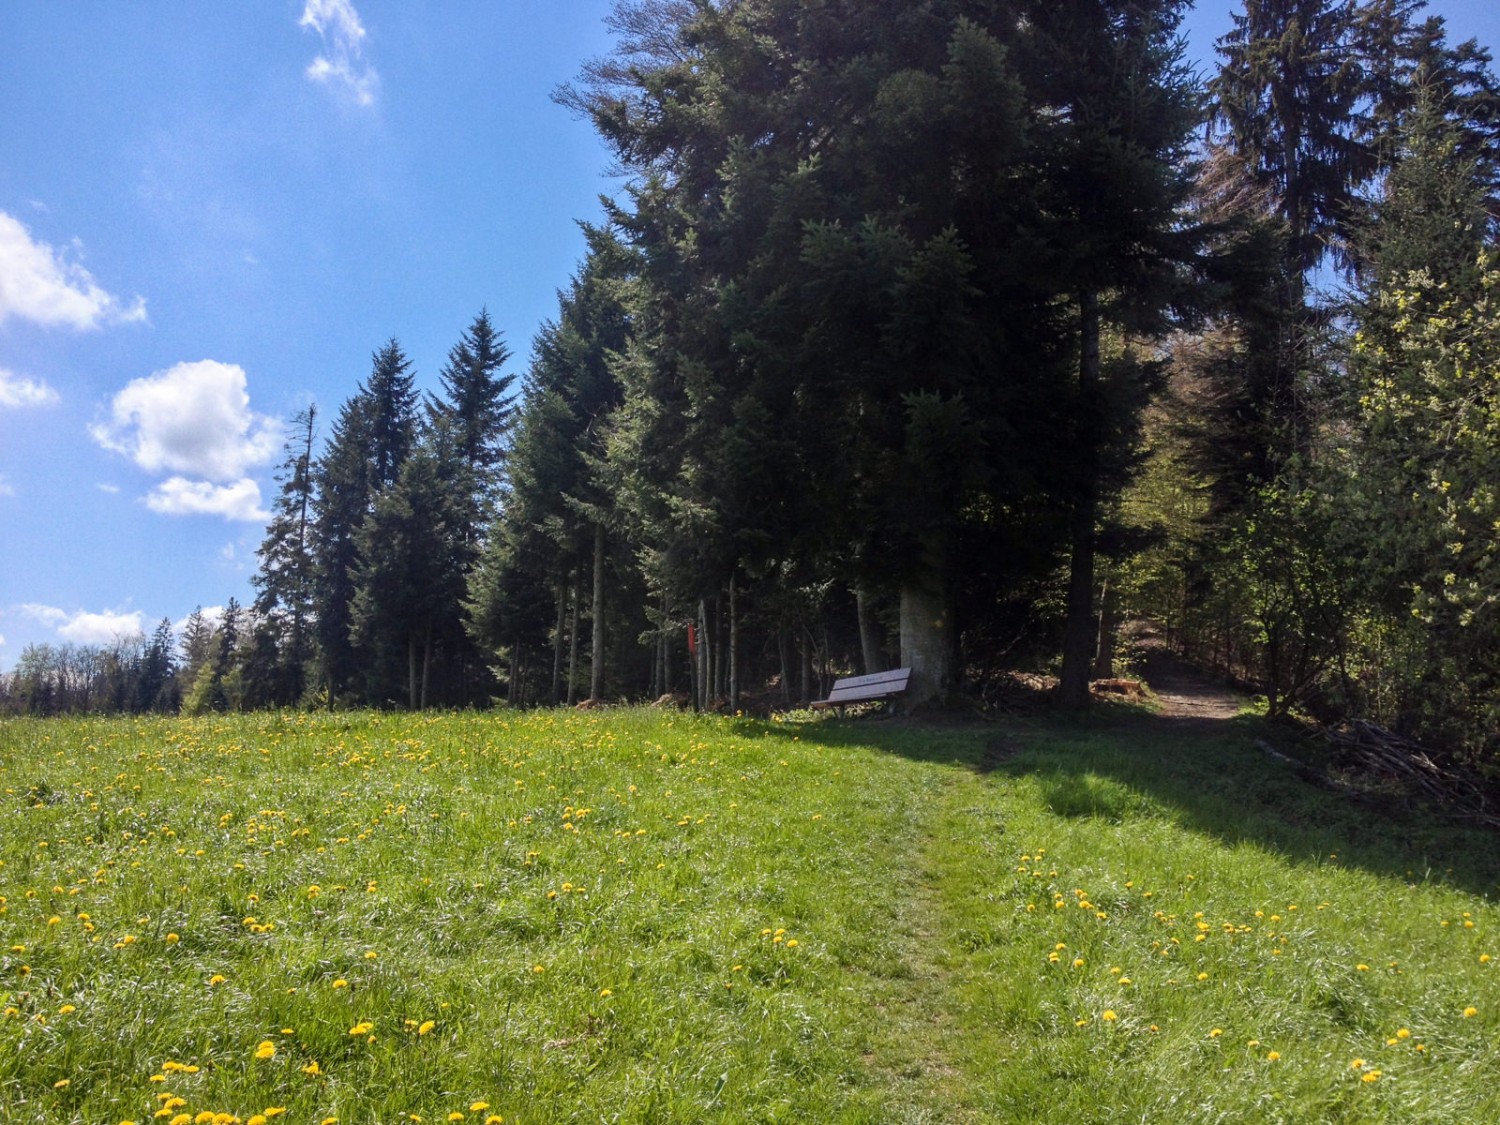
(256, 1119)
(1356, 1064)
(265, 1050)
(455, 1116)
(340, 983)
(1470, 1011)
(1109, 1015)
(275, 1110)
(62, 1083)
(425, 1026)
(1403, 1033)
(172, 939)
(1370, 1076)
(370, 955)
(494, 1119)
(606, 992)
(1272, 1056)
(1362, 968)
(479, 1107)
(312, 1068)
(1216, 1032)
(66, 1008)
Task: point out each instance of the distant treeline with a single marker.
(948, 334)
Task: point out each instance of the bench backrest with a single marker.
(877, 685)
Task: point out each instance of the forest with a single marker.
(948, 335)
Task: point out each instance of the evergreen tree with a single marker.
(409, 580)
(286, 578)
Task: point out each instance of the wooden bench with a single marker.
(866, 689)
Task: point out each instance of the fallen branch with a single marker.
(1372, 747)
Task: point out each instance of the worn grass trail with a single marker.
(636, 917)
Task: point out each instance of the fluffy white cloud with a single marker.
(343, 65)
(193, 418)
(211, 614)
(18, 391)
(40, 285)
(87, 628)
(178, 496)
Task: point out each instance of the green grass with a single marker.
(638, 917)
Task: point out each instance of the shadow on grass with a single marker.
(1206, 775)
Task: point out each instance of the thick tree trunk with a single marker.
(927, 636)
(596, 679)
(869, 632)
(1078, 637)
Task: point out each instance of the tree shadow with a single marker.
(1207, 775)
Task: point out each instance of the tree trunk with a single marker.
(869, 631)
(596, 677)
(734, 650)
(1078, 637)
(927, 634)
(705, 679)
(557, 641)
(426, 663)
(411, 671)
(573, 644)
(1109, 620)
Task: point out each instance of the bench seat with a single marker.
(866, 689)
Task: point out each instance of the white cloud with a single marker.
(212, 614)
(6, 488)
(18, 391)
(86, 628)
(112, 489)
(343, 64)
(39, 284)
(178, 496)
(193, 418)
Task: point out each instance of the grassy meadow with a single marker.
(631, 916)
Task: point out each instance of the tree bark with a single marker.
(573, 644)
(734, 650)
(426, 663)
(1078, 637)
(869, 631)
(1109, 620)
(596, 678)
(557, 641)
(927, 635)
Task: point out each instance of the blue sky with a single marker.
(212, 214)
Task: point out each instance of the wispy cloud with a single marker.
(16, 391)
(86, 628)
(342, 65)
(178, 496)
(6, 488)
(46, 287)
(194, 418)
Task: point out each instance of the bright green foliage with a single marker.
(1429, 465)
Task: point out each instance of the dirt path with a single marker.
(1186, 692)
